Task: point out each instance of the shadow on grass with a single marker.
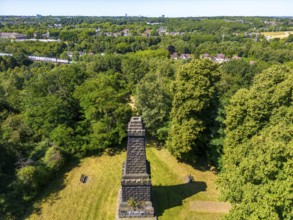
(166, 197)
(199, 162)
(113, 151)
(50, 191)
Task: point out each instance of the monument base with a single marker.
(145, 211)
(146, 218)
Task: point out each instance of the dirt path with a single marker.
(206, 206)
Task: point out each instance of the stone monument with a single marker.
(136, 188)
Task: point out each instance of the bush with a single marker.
(33, 176)
(53, 159)
(28, 176)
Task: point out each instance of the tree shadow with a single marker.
(51, 191)
(113, 151)
(199, 162)
(166, 197)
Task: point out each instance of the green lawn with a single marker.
(67, 198)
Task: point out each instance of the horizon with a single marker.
(141, 16)
(150, 8)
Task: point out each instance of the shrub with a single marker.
(53, 158)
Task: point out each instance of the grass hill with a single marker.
(68, 198)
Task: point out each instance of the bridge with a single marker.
(5, 54)
(42, 59)
(48, 59)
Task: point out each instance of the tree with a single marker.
(105, 63)
(75, 55)
(104, 101)
(290, 38)
(256, 176)
(32, 177)
(194, 92)
(171, 49)
(234, 76)
(134, 68)
(122, 48)
(48, 99)
(53, 158)
(153, 98)
(27, 175)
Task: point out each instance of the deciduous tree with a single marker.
(257, 163)
(193, 91)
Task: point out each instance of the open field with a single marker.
(280, 35)
(68, 198)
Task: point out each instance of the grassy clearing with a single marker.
(67, 198)
(280, 35)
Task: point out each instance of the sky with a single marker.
(149, 8)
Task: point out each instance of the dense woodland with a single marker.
(236, 115)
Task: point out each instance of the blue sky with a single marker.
(169, 8)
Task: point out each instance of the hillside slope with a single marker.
(68, 198)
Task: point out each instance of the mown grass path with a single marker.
(70, 199)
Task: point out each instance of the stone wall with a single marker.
(136, 156)
(138, 193)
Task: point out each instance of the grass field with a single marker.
(68, 198)
(280, 35)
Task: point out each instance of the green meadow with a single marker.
(68, 198)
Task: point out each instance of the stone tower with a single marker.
(136, 180)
